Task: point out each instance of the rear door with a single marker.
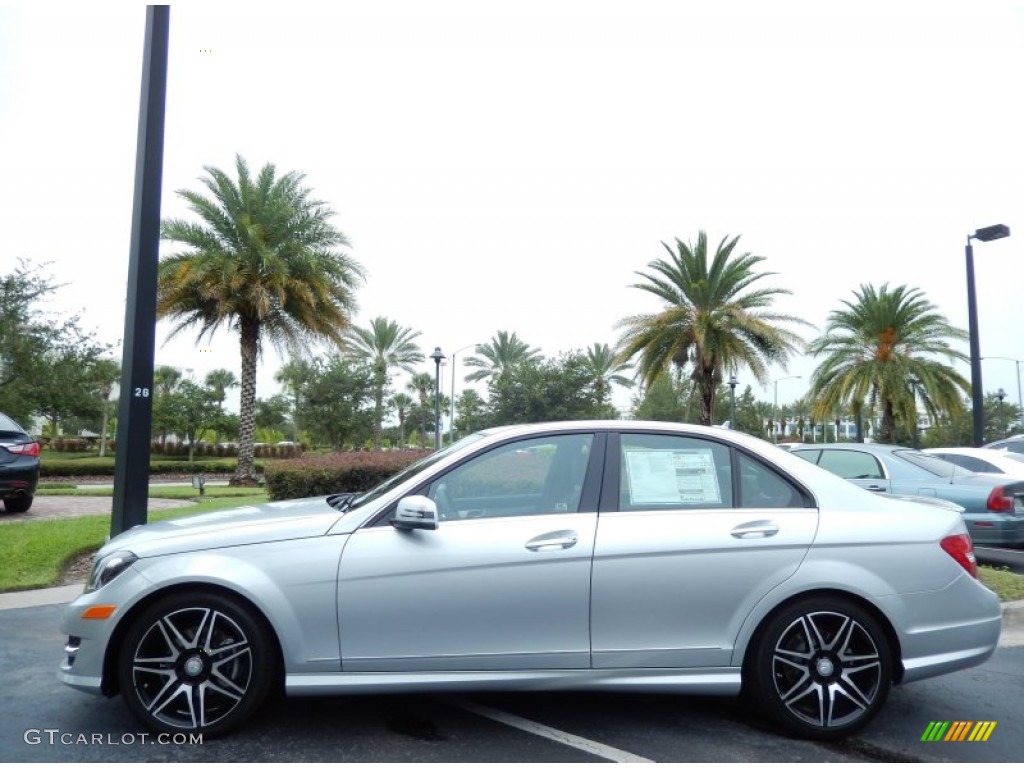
(691, 535)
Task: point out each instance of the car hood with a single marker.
(276, 521)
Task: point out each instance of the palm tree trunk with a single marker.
(379, 380)
(888, 423)
(245, 471)
(707, 401)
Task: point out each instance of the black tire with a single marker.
(194, 663)
(821, 667)
(18, 504)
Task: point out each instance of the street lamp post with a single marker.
(1020, 399)
(985, 234)
(451, 428)
(1001, 394)
(732, 401)
(437, 357)
(775, 406)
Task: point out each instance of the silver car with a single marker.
(621, 556)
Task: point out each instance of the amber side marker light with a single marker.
(99, 611)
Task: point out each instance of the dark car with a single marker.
(19, 466)
(993, 504)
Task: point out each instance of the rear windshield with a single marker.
(8, 424)
(932, 464)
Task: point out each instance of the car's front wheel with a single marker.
(822, 668)
(195, 664)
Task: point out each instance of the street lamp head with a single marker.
(1001, 394)
(733, 381)
(995, 232)
(437, 357)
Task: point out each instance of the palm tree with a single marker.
(712, 320)
(605, 369)
(262, 262)
(499, 356)
(422, 385)
(880, 348)
(401, 402)
(384, 345)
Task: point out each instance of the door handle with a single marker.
(875, 488)
(560, 539)
(761, 529)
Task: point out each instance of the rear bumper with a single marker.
(995, 528)
(934, 640)
(19, 477)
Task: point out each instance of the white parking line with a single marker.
(544, 731)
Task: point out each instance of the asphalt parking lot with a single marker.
(43, 721)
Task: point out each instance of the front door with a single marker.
(502, 584)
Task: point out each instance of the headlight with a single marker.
(108, 568)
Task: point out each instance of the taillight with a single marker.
(997, 502)
(959, 547)
(24, 449)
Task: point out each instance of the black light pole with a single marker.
(135, 410)
(985, 234)
(1001, 394)
(732, 401)
(437, 357)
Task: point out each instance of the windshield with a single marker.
(931, 464)
(417, 466)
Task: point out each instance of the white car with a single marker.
(988, 460)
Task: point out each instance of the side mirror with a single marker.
(415, 512)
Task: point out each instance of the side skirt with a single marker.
(723, 681)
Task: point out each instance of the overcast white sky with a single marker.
(509, 165)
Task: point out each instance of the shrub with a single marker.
(337, 472)
(105, 467)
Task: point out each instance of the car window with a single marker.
(526, 477)
(762, 486)
(7, 424)
(931, 464)
(852, 465)
(665, 471)
(970, 463)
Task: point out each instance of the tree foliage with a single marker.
(878, 349)
(263, 262)
(714, 319)
(384, 345)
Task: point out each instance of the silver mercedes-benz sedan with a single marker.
(616, 555)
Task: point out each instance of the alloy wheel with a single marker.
(827, 669)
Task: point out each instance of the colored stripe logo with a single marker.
(958, 730)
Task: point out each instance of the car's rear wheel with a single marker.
(17, 504)
(822, 668)
(195, 664)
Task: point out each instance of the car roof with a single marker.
(876, 448)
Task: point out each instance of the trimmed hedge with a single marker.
(337, 472)
(105, 467)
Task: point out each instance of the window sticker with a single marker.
(672, 476)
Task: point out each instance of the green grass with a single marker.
(1008, 585)
(157, 492)
(34, 551)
